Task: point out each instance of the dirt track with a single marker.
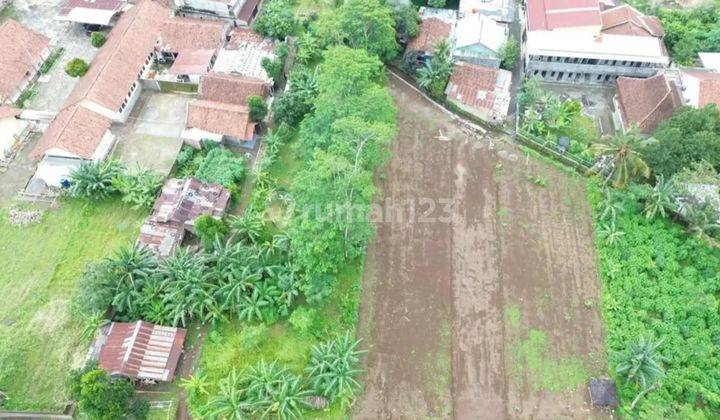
(484, 304)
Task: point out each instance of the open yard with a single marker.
(485, 298)
(40, 341)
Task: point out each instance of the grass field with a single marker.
(39, 339)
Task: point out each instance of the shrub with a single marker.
(223, 167)
(256, 107)
(76, 67)
(436, 3)
(101, 397)
(292, 107)
(273, 68)
(303, 320)
(275, 20)
(509, 54)
(97, 39)
(253, 336)
(139, 189)
(94, 180)
(95, 288)
(207, 228)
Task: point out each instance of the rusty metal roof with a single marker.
(141, 350)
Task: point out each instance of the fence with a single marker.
(578, 163)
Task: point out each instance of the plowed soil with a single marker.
(480, 298)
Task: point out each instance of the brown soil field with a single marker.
(481, 296)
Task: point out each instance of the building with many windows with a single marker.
(574, 41)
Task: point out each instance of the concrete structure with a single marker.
(139, 350)
(12, 132)
(498, 10)
(700, 87)
(243, 54)
(710, 60)
(181, 201)
(645, 103)
(482, 91)
(240, 12)
(22, 53)
(479, 39)
(93, 12)
(573, 41)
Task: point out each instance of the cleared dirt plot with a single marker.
(484, 302)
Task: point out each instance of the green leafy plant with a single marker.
(76, 67)
(223, 167)
(275, 20)
(138, 189)
(257, 108)
(509, 54)
(94, 180)
(208, 229)
(625, 160)
(334, 367)
(436, 73)
(97, 39)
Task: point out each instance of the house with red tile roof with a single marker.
(22, 53)
(107, 93)
(576, 41)
(700, 87)
(435, 25)
(645, 103)
(482, 91)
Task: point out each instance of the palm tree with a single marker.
(641, 363)
(611, 206)
(94, 180)
(190, 288)
(195, 386)
(251, 306)
(334, 366)
(661, 198)
(130, 268)
(230, 404)
(610, 233)
(249, 226)
(625, 161)
(702, 219)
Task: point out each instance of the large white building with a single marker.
(574, 41)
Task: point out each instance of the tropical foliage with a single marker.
(623, 161)
(223, 167)
(275, 20)
(77, 67)
(691, 30)
(140, 188)
(101, 397)
(435, 74)
(659, 281)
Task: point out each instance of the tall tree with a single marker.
(623, 153)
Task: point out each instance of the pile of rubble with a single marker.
(24, 218)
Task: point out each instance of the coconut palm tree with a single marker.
(623, 152)
(642, 363)
(661, 198)
(94, 180)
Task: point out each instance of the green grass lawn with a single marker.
(39, 339)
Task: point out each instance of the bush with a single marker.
(223, 167)
(436, 3)
(101, 397)
(253, 336)
(273, 68)
(276, 20)
(509, 54)
(97, 39)
(292, 107)
(94, 180)
(256, 107)
(207, 228)
(76, 67)
(139, 189)
(303, 320)
(95, 288)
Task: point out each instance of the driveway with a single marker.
(16, 175)
(39, 15)
(151, 136)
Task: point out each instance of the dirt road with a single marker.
(481, 301)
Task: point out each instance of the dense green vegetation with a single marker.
(76, 67)
(103, 398)
(101, 180)
(41, 338)
(659, 283)
(275, 20)
(689, 31)
(689, 136)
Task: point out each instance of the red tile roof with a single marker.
(116, 5)
(646, 102)
(709, 87)
(432, 30)
(180, 33)
(9, 111)
(626, 20)
(546, 15)
(194, 62)
(231, 89)
(76, 130)
(220, 118)
(248, 11)
(141, 350)
(20, 50)
(481, 88)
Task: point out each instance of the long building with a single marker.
(575, 41)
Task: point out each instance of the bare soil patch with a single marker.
(484, 304)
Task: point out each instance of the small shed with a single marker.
(603, 393)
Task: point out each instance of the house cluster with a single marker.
(180, 203)
(476, 34)
(152, 48)
(94, 14)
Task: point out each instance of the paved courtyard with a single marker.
(597, 101)
(39, 15)
(151, 137)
